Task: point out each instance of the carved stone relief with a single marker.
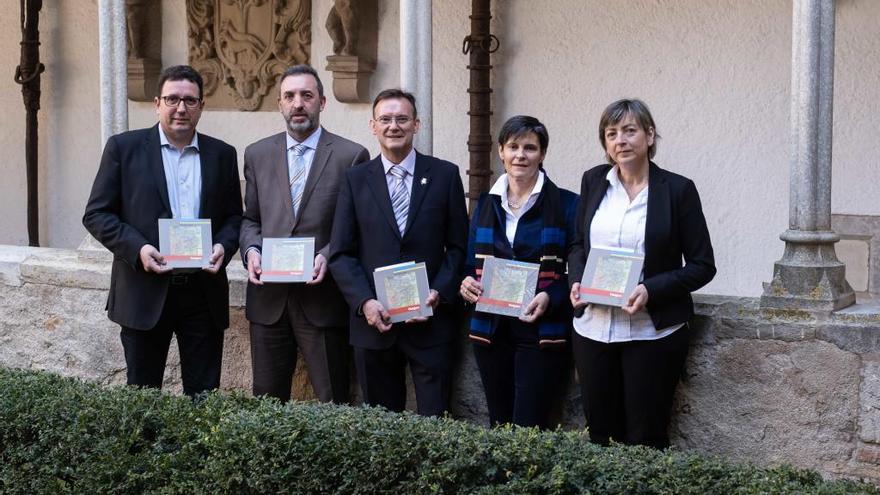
(143, 19)
(353, 27)
(242, 46)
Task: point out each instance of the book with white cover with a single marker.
(288, 259)
(185, 243)
(508, 286)
(402, 289)
(610, 276)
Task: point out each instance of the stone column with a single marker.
(416, 64)
(809, 275)
(114, 89)
(113, 68)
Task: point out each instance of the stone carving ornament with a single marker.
(242, 46)
(143, 19)
(343, 25)
(353, 27)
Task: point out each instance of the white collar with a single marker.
(408, 163)
(310, 142)
(614, 178)
(500, 186)
(163, 139)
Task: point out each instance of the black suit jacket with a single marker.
(365, 237)
(675, 227)
(128, 197)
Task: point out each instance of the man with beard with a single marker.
(293, 179)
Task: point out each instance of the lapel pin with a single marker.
(424, 181)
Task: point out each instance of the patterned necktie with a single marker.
(298, 175)
(399, 197)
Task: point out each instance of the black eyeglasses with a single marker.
(174, 100)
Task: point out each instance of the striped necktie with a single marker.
(298, 175)
(399, 196)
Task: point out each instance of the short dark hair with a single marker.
(180, 73)
(519, 126)
(302, 69)
(394, 93)
(618, 111)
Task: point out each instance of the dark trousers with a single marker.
(627, 387)
(199, 342)
(325, 351)
(382, 376)
(522, 381)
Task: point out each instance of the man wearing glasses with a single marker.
(401, 206)
(167, 171)
(293, 178)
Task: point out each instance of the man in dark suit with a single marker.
(167, 171)
(401, 206)
(293, 180)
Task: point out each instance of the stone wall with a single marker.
(761, 386)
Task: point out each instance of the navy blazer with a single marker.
(675, 228)
(128, 197)
(365, 237)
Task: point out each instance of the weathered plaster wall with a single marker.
(68, 121)
(13, 224)
(716, 75)
(760, 386)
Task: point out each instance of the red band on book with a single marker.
(498, 302)
(280, 272)
(405, 309)
(600, 292)
(175, 257)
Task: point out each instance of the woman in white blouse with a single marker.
(629, 359)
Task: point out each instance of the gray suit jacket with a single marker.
(269, 213)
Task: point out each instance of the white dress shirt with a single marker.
(500, 189)
(408, 164)
(619, 223)
(183, 176)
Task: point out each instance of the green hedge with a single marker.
(60, 435)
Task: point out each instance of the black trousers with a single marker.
(627, 387)
(199, 342)
(382, 376)
(274, 353)
(522, 381)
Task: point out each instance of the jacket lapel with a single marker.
(153, 152)
(659, 214)
(319, 163)
(278, 161)
(421, 183)
(593, 200)
(379, 187)
(208, 159)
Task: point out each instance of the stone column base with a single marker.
(808, 277)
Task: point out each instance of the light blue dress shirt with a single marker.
(183, 176)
